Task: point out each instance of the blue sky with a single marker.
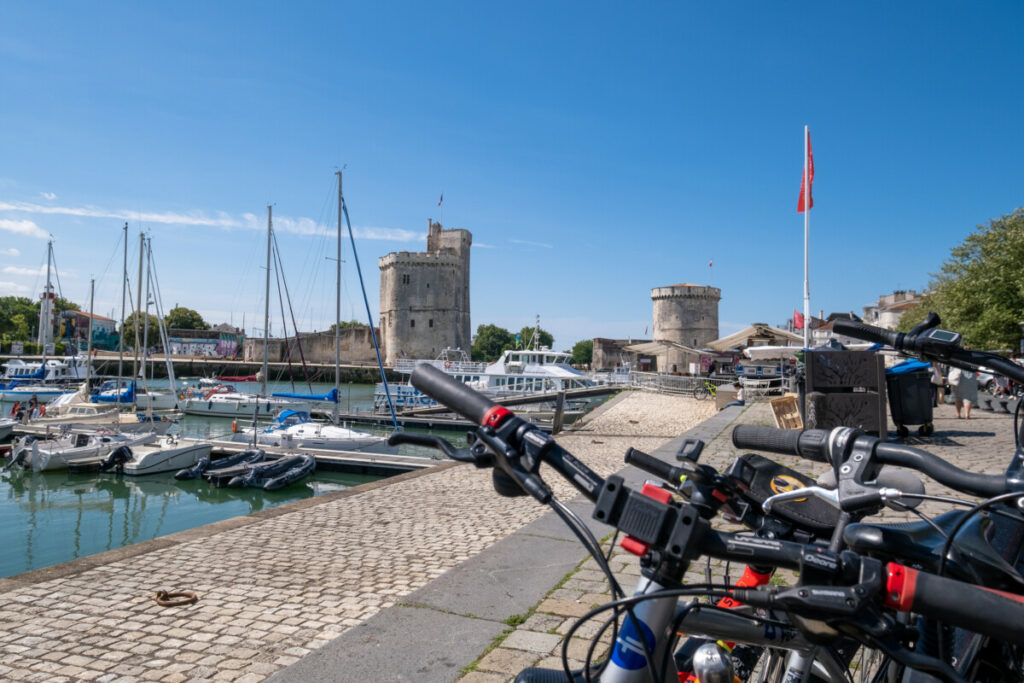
(595, 150)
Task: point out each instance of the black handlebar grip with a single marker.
(811, 444)
(648, 463)
(992, 613)
(853, 328)
(452, 393)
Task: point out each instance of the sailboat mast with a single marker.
(120, 344)
(138, 319)
(266, 307)
(337, 314)
(88, 347)
(46, 308)
(145, 333)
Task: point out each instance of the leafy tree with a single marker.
(11, 306)
(62, 304)
(19, 329)
(583, 352)
(979, 291)
(129, 330)
(526, 336)
(490, 341)
(181, 318)
(345, 324)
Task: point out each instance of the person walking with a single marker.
(964, 384)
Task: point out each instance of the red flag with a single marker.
(798, 320)
(807, 179)
(442, 196)
(709, 264)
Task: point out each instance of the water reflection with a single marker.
(51, 517)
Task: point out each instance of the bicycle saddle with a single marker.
(974, 557)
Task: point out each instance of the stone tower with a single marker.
(685, 314)
(424, 297)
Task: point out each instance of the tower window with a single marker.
(406, 279)
(430, 323)
(412, 323)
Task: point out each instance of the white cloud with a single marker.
(219, 219)
(12, 288)
(482, 245)
(32, 272)
(48, 196)
(22, 227)
(533, 244)
(10, 252)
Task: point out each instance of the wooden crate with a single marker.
(786, 410)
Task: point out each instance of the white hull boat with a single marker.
(294, 429)
(226, 402)
(23, 392)
(6, 427)
(55, 454)
(167, 455)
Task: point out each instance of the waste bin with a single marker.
(910, 396)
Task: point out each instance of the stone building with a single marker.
(424, 297)
(685, 318)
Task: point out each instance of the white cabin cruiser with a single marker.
(56, 453)
(519, 372)
(165, 455)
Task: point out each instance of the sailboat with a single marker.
(294, 428)
(224, 400)
(115, 391)
(46, 379)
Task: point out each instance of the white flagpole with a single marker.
(807, 230)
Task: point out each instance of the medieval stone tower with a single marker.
(424, 297)
(685, 314)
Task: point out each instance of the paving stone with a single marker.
(541, 643)
(506, 661)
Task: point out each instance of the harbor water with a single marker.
(47, 518)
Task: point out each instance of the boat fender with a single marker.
(234, 426)
(236, 482)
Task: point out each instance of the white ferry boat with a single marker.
(519, 372)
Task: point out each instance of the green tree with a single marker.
(490, 341)
(129, 330)
(345, 324)
(181, 318)
(62, 304)
(526, 336)
(11, 306)
(583, 352)
(19, 328)
(979, 291)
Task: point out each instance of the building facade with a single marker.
(424, 297)
(890, 308)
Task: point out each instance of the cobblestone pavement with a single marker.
(982, 444)
(281, 583)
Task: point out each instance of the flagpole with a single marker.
(807, 230)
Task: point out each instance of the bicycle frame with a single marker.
(628, 663)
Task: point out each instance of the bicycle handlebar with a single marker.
(447, 390)
(811, 444)
(992, 613)
(984, 485)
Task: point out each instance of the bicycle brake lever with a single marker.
(830, 495)
(481, 459)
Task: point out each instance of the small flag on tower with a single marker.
(709, 264)
(441, 199)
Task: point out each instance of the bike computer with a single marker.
(941, 336)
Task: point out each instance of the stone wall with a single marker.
(318, 347)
